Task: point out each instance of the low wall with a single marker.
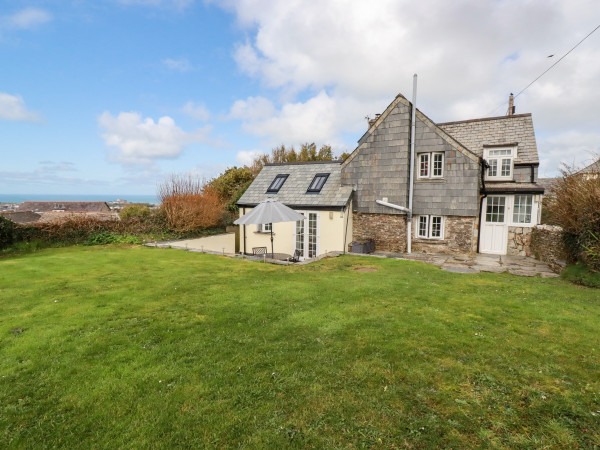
(519, 241)
(547, 246)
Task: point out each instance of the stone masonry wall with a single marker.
(519, 241)
(547, 246)
(460, 236)
(388, 230)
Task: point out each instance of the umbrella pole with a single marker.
(272, 254)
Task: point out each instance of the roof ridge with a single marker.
(484, 118)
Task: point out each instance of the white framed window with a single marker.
(264, 228)
(430, 165)
(522, 210)
(430, 227)
(500, 161)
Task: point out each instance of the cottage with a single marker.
(314, 189)
(474, 187)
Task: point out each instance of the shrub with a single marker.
(190, 205)
(7, 232)
(134, 210)
(106, 237)
(576, 208)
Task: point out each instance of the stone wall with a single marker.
(519, 241)
(388, 230)
(547, 246)
(460, 236)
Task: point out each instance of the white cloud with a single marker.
(180, 65)
(12, 107)
(198, 112)
(253, 108)
(246, 157)
(27, 18)
(141, 141)
(469, 56)
(574, 148)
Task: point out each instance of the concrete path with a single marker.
(219, 244)
(515, 265)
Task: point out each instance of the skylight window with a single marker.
(317, 183)
(277, 183)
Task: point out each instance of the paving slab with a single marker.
(459, 269)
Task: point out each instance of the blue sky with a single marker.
(112, 96)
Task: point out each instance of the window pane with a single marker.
(493, 169)
(506, 167)
(318, 181)
(312, 235)
(502, 152)
(423, 226)
(494, 212)
(438, 164)
(424, 165)
(277, 183)
(523, 206)
(436, 226)
(300, 236)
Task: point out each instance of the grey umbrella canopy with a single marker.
(269, 211)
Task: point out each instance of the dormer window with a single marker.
(277, 183)
(500, 161)
(317, 183)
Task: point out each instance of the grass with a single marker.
(109, 347)
(581, 274)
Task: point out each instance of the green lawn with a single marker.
(108, 347)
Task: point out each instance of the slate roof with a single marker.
(20, 216)
(293, 192)
(477, 133)
(64, 206)
(513, 188)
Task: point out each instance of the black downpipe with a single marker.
(484, 166)
(532, 174)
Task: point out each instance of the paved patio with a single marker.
(515, 265)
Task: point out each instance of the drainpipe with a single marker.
(398, 207)
(412, 167)
(348, 210)
(484, 166)
(244, 213)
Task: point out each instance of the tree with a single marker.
(281, 154)
(231, 185)
(575, 206)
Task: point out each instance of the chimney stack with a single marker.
(511, 105)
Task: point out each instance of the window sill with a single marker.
(429, 240)
(431, 180)
(264, 232)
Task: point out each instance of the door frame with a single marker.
(494, 230)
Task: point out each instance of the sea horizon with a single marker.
(131, 198)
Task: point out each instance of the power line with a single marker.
(549, 68)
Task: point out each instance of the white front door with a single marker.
(306, 236)
(494, 226)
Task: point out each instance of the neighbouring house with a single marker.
(21, 217)
(474, 186)
(59, 206)
(592, 171)
(61, 211)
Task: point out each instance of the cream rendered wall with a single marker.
(331, 226)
